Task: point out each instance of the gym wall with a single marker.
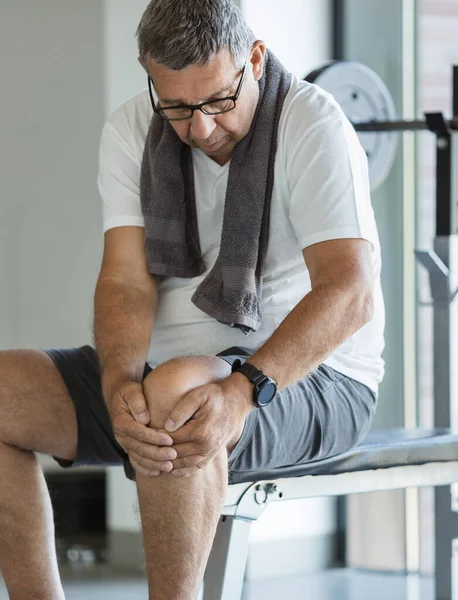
(50, 216)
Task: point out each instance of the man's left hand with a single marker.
(209, 418)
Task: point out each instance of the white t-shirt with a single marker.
(321, 192)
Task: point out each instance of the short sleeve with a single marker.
(118, 181)
(329, 188)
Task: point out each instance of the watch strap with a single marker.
(256, 376)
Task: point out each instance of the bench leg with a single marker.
(446, 543)
(226, 565)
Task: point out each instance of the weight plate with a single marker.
(363, 97)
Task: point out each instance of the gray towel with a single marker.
(232, 291)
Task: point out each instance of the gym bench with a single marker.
(387, 460)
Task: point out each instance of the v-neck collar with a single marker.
(210, 163)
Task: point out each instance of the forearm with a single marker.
(320, 323)
(123, 323)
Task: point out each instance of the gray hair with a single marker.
(179, 33)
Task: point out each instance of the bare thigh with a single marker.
(36, 411)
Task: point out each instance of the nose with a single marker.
(202, 126)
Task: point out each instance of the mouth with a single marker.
(212, 147)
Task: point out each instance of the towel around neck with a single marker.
(232, 290)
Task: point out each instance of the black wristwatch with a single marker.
(265, 388)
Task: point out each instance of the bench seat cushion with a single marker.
(381, 449)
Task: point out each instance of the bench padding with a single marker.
(381, 449)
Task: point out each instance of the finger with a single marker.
(135, 400)
(139, 469)
(151, 452)
(126, 426)
(184, 410)
(157, 453)
(186, 449)
(150, 465)
(186, 433)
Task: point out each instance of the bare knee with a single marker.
(170, 382)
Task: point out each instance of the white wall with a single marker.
(50, 216)
(123, 76)
(297, 31)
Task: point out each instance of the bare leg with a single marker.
(36, 414)
(180, 515)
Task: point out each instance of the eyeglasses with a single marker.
(182, 112)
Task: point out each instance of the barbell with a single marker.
(368, 104)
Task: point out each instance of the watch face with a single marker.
(267, 393)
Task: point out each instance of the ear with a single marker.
(257, 59)
(142, 64)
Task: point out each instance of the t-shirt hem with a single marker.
(123, 221)
(333, 234)
(353, 374)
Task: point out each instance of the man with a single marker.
(236, 201)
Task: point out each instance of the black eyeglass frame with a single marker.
(193, 107)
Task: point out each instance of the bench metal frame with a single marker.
(245, 502)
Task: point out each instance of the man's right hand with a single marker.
(146, 447)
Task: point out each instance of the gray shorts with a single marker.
(324, 414)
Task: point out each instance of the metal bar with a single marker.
(417, 125)
(445, 392)
(446, 532)
(455, 93)
(454, 184)
(226, 565)
(444, 185)
(437, 124)
(393, 126)
(338, 53)
(338, 14)
(358, 482)
(443, 365)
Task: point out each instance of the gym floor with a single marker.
(340, 584)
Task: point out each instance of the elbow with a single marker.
(365, 307)
(360, 306)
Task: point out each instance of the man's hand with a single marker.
(207, 419)
(145, 446)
